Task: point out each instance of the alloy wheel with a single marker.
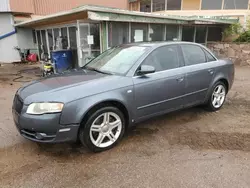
(218, 96)
(105, 129)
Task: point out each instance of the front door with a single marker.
(161, 91)
(89, 42)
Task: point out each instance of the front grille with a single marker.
(18, 104)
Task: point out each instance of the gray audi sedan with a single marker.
(123, 86)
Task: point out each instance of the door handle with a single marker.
(211, 71)
(180, 79)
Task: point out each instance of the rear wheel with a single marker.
(103, 129)
(217, 97)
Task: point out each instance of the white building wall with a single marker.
(4, 6)
(7, 52)
(25, 38)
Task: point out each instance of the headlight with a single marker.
(43, 108)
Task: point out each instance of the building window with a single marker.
(64, 35)
(39, 42)
(172, 32)
(200, 36)
(118, 33)
(94, 30)
(72, 37)
(156, 32)
(56, 35)
(174, 4)
(188, 33)
(211, 4)
(191, 4)
(214, 34)
(50, 39)
(134, 6)
(235, 4)
(44, 41)
(139, 32)
(34, 36)
(145, 5)
(158, 5)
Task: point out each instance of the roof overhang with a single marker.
(97, 13)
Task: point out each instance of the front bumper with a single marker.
(44, 128)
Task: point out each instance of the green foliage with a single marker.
(234, 29)
(244, 37)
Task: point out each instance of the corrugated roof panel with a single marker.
(45, 7)
(23, 6)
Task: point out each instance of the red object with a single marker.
(32, 58)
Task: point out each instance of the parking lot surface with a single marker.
(189, 148)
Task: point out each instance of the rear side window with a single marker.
(209, 56)
(193, 54)
(163, 58)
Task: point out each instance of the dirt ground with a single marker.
(190, 148)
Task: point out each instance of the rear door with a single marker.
(161, 91)
(199, 69)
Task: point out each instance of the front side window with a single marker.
(117, 60)
(163, 58)
(193, 54)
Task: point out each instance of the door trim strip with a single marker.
(156, 103)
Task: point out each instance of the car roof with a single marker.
(158, 44)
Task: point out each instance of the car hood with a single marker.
(70, 86)
(62, 81)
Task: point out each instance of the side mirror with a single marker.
(146, 69)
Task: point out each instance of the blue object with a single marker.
(62, 60)
(8, 34)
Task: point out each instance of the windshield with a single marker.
(116, 60)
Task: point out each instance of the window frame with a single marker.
(179, 55)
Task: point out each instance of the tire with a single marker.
(96, 130)
(210, 106)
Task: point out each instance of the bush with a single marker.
(234, 29)
(244, 37)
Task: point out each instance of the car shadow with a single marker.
(143, 130)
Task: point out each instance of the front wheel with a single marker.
(217, 97)
(103, 129)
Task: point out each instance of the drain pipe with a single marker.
(8, 34)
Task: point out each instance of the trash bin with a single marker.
(62, 60)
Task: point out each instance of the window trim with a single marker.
(180, 61)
